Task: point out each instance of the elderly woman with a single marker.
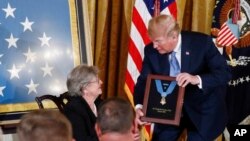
(84, 86)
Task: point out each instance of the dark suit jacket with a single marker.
(199, 56)
(82, 119)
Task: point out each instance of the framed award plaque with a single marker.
(163, 100)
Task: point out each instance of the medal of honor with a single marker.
(167, 92)
(163, 100)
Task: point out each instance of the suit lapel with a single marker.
(160, 63)
(164, 64)
(185, 53)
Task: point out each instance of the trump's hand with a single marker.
(183, 79)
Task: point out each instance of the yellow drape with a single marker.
(110, 25)
(196, 15)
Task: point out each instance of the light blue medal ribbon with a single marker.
(168, 91)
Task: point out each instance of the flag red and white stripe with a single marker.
(226, 37)
(229, 32)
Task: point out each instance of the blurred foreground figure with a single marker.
(44, 125)
(116, 121)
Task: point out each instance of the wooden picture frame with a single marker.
(84, 35)
(163, 100)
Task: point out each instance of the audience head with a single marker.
(84, 79)
(116, 116)
(44, 125)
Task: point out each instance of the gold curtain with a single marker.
(196, 15)
(110, 25)
(110, 22)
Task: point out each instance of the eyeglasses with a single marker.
(95, 81)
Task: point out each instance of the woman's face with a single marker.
(93, 87)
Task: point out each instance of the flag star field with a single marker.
(36, 52)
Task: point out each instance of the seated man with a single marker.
(44, 125)
(116, 121)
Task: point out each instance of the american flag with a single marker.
(36, 50)
(229, 31)
(142, 12)
(228, 34)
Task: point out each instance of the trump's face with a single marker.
(165, 44)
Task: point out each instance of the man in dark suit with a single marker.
(202, 71)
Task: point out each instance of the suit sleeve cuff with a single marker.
(138, 106)
(200, 83)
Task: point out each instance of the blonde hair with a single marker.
(162, 25)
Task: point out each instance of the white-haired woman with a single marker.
(84, 87)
